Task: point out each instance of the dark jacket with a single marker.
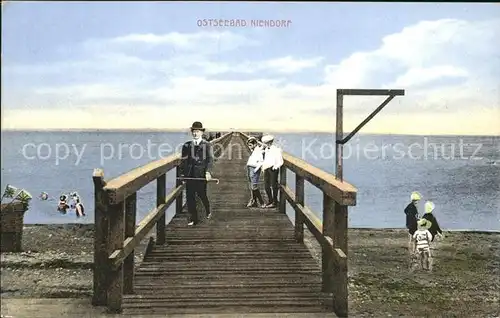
(434, 229)
(411, 216)
(196, 160)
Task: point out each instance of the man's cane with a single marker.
(200, 179)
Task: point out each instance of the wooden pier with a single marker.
(242, 260)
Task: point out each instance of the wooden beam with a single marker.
(116, 237)
(125, 185)
(178, 183)
(161, 188)
(340, 191)
(339, 133)
(340, 227)
(326, 257)
(310, 220)
(144, 227)
(299, 198)
(372, 92)
(282, 199)
(337, 253)
(101, 224)
(340, 279)
(341, 140)
(129, 263)
(340, 288)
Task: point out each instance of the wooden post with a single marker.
(326, 254)
(101, 224)
(282, 198)
(339, 136)
(116, 238)
(178, 182)
(340, 225)
(130, 222)
(161, 189)
(340, 294)
(299, 198)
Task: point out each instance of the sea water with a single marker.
(460, 174)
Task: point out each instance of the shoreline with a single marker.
(475, 231)
(57, 262)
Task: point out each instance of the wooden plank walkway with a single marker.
(240, 261)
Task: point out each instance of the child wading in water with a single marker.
(422, 249)
(79, 208)
(77, 205)
(62, 206)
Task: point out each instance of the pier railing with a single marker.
(331, 233)
(116, 234)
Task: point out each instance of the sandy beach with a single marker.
(57, 261)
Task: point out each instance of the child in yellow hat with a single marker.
(434, 228)
(422, 238)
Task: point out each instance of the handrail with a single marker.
(342, 192)
(331, 233)
(116, 233)
(121, 187)
(130, 182)
(119, 255)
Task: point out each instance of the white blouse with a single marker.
(273, 158)
(256, 159)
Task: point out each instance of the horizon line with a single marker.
(183, 130)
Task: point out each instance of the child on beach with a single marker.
(434, 228)
(422, 238)
(411, 212)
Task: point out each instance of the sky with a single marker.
(157, 65)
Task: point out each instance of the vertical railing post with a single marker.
(282, 198)
(340, 225)
(340, 222)
(128, 265)
(116, 238)
(326, 254)
(178, 182)
(339, 135)
(161, 189)
(101, 223)
(299, 198)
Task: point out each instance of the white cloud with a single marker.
(449, 69)
(203, 42)
(416, 76)
(289, 65)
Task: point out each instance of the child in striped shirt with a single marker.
(422, 238)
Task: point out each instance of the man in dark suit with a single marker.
(197, 163)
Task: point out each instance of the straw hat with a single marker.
(424, 223)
